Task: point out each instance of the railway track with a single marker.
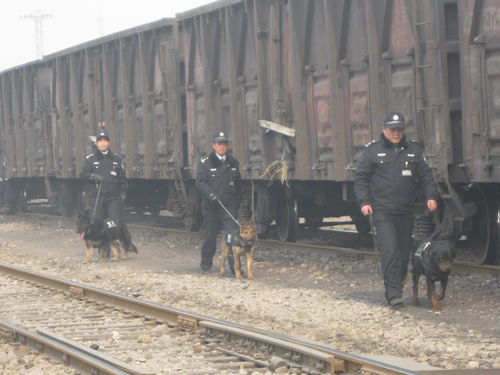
(461, 266)
(101, 332)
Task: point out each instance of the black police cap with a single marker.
(102, 134)
(394, 120)
(220, 136)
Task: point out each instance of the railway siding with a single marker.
(94, 324)
(334, 299)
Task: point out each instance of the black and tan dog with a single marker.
(239, 243)
(103, 236)
(434, 259)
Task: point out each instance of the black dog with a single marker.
(434, 259)
(104, 236)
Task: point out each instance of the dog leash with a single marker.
(229, 213)
(374, 232)
(97, 198)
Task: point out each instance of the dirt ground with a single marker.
(330, 298)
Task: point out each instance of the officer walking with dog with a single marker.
(104, 173)
(219, 181)
(388, 175)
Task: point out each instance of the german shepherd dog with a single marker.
(104, 236)
(434, 259)
(238, 244)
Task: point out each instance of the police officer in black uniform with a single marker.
(387, 177)
(219, 181)
(104, 172)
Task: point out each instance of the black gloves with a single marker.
(212, 197)
(96, 177)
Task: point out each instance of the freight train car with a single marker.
(129, 83)
(300, 85)
(303, 85)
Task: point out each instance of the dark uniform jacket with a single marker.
(221, 178)
(108, 166)
(388, 176)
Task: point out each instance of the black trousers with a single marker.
(215, 220)
(395, 245)
(108, 208)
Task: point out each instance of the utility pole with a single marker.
(38, 17)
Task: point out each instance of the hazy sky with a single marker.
(74, 22)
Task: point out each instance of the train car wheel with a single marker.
(482, 236)
(192, 223)
(287, 219)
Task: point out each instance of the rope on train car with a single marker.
(277, 169)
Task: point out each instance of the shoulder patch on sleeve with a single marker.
(203, 160)
(88, 156)
(371, 142)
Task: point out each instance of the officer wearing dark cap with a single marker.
(103, 171)
(388, 175)
(219, 181)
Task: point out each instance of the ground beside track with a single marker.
(334, 299)
(18, 359)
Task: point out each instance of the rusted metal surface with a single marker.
(127, 82)
(328, 69)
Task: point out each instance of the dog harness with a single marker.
(422, 253)
(236, 240)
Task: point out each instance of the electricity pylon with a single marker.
(38, 17)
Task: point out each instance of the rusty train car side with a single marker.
(330, 70)
(128, 82)
(300, 85)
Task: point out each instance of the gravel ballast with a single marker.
(329, 298)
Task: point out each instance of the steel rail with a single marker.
(83, 360)
(335, 360)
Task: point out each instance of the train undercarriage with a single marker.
(471, 213)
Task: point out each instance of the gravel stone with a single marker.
(332, 298)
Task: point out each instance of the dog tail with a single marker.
(126, 234)
(132, 248)
(127, 239)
